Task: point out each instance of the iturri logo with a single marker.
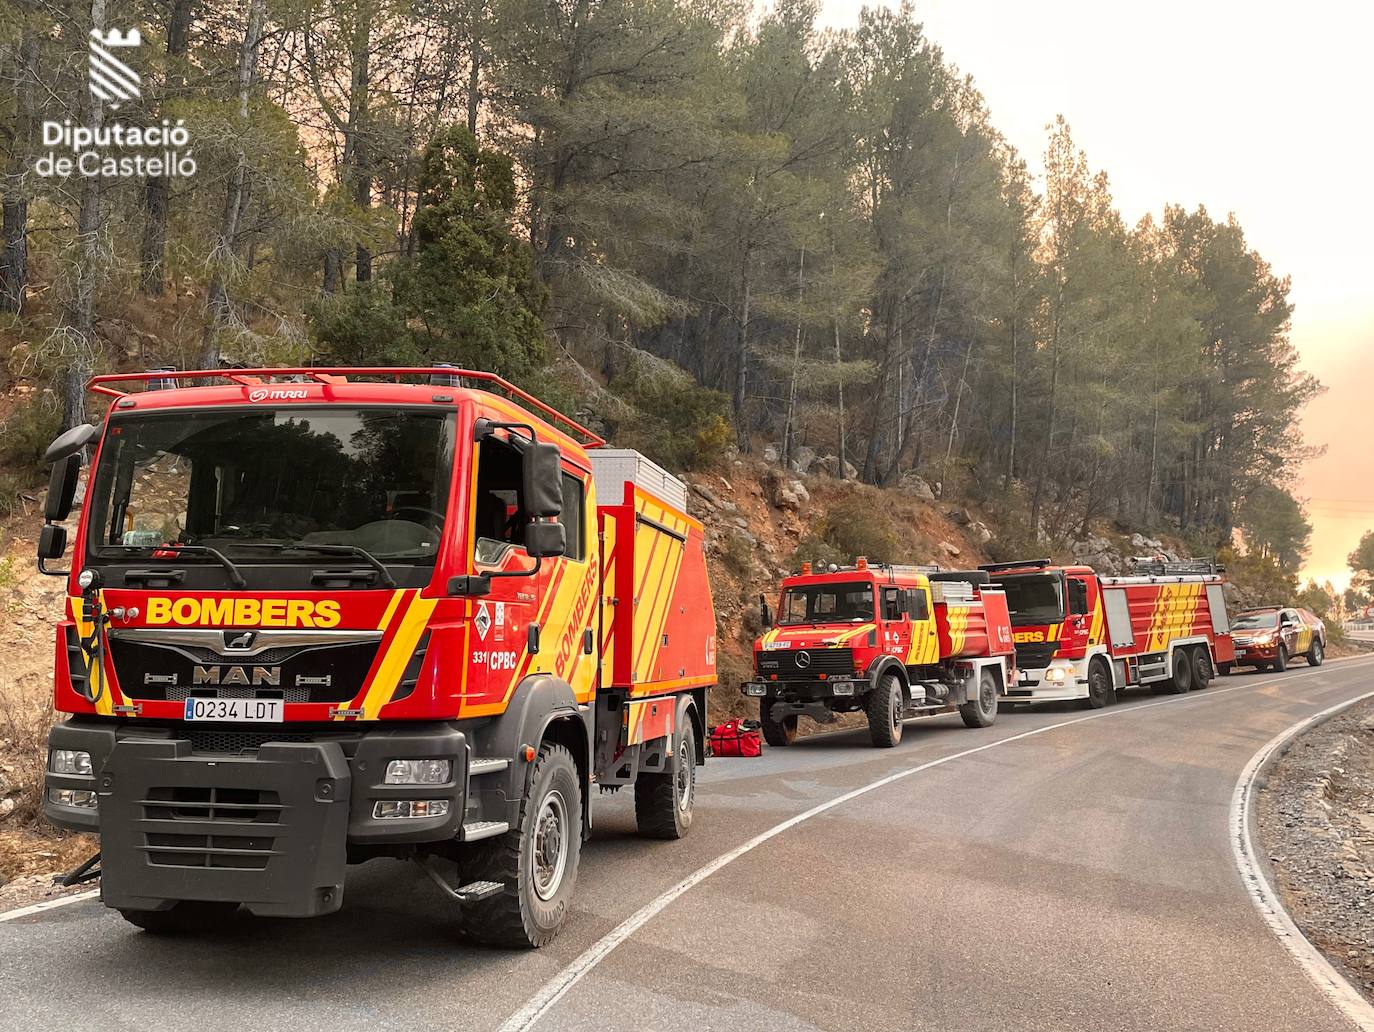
(114, 150)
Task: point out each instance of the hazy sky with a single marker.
(1257, 108)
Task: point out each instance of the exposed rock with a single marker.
(787, 499)
(960, 517)
(949, 549)
(851, 471)
(770, 454)
(916, 487)
(740, 522)
(6, 808)
(799, 489)
(803, 458)
(979, 532)
(714, 501)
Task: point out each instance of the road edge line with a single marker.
(1243, 820)
(557, 987)
(51, 904)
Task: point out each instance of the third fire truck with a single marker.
(890, 641)
(1081, 635)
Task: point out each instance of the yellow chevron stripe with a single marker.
(398, 654)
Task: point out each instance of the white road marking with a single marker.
(52, 904)
(558, 986)
(1330, 981)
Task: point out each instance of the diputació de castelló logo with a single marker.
(114, 149)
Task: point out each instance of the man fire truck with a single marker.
(318, 616)
(891, 641)
(1080, 635)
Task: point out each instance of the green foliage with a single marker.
(25, 436)
(737, 554)
(852, 527)
(1361, 563)
(1275, 525)
(676, 423)
(1318, 598)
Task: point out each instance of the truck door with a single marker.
(896, 627)
(499, 624)
(1078, 621)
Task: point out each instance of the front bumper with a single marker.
(268, 827)
(1035, 684)
(1256, 653)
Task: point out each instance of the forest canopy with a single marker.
(695, 223)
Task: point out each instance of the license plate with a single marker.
(247, 710)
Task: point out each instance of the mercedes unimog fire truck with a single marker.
(318, 616)
(891, 641)
(1081, 635)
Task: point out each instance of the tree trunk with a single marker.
(361, 100)
(742, 361)
(14, 202)
(789, 421)
(156, 193)
(840, 466)
(474, 78)
(222, 256)
(79, 314)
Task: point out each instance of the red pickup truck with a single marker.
(1268, 637)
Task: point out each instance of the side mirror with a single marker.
(52, 543)
(62, 488)
(71, 442)
(546, 540)
(765, 614)
(542, 472)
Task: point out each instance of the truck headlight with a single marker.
(71, 797)
(69, 761)
(756, 688)
(842, 687)
(390, 809)
(418, 772)
(1055, 675)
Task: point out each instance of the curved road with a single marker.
(1059, 870)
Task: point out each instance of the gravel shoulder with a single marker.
(1316, 825)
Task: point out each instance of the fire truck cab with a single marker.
(893, 642)
(1083, 636)
(317, 616)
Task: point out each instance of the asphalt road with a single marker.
(1078, 875)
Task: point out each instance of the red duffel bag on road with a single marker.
(736, 738)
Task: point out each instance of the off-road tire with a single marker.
(1182, 681)
(663, 802)
(1316, 655)
(518, 917)
(776, 733)
(982, 711)
(1202, 668)
(1101, 692)
(184, 918)
(884, 705)
(1281, 664)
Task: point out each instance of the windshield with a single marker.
(827, 603)
(1262, 620)
(1034, 598)
(245, 481)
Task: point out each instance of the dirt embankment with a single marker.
(1316, 824)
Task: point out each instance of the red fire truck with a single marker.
(892, 641)
(1080, 635)
(317, 616)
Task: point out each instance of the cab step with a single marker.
(474, 831)
(472, 892)
(486, 765)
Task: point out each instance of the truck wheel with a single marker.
(536, 861)
(663, 802)
(885, 712)
(1281, 664)
(1183, 672)
(1100, 691)
(1202, 668)
(776, 732)
(1315, 654)
(982, 711)
(190, 915)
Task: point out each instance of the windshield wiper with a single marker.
(309, 546)
(235, 575)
